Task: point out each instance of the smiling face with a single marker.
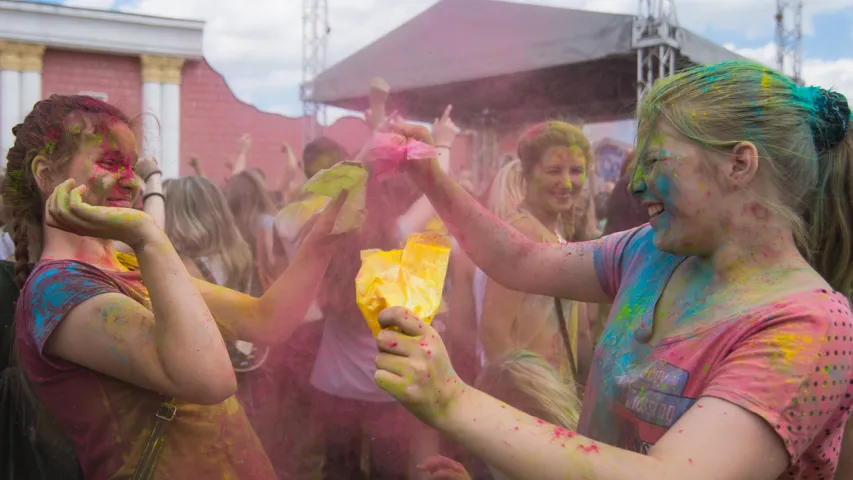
(556, 181)
(105, 163)
(678, 185)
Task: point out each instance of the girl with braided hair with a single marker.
(729, 348)
(129, 362)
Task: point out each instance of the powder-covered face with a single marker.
(677, 187)
(105, 163)
(556, 181)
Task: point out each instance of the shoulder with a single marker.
(529, 227)
(54, 289)
(812, 313)
(68, 273)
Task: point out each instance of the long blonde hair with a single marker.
(803, 138)
(531, 384)
(248, 200)
(507, 190)
(199, 224)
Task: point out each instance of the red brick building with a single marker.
(152, 68)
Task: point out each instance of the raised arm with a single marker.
(243, 155)
(177, 350)
(713, 439)
(274, 316)
(504, 254)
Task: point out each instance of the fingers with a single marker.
(396, 343)
(394, 364)
(330, 213)
(404, 320)
(446, 116)
(390, 382)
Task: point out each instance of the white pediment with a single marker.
(99, 31)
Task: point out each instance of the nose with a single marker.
(567, 182)
(637, 185)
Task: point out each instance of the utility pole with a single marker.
(789, 36)
(656, 37)
(315, 35)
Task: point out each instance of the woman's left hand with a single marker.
(413, 366)
(320, 238)
(146, 166)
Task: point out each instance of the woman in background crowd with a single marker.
(254, 213)
(550, 174)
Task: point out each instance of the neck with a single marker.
(62, 245)
(547, 218)
(763, 251)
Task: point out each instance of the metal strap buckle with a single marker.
(166, 412)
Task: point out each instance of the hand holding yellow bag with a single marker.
(412, 278)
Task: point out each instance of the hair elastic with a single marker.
(155, 172)
(152, 194)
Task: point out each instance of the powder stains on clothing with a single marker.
(109, 420)
(788, 361)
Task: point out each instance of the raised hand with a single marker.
(66, 210)
(441, 468)
(444, 131)
(245, 143)
(146, 166)
(413, 366)
(320, 237)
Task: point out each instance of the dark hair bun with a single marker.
(833, 120)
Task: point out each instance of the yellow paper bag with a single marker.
(412, 278)
(349, 176)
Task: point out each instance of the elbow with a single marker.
(215, 390)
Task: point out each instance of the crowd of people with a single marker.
(691, 321)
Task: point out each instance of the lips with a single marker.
(119, 202)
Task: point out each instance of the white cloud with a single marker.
(835, 74)
(257, 44)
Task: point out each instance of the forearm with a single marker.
(240, 163)
(153, 204)
(284, 305)
(187, 339)
(494, 246)
(524, 447)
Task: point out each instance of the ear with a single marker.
(742, 164)
(41, 173)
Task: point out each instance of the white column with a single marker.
(32, 63)
(171, 131)
(171, 117)
(161, 99)
(30, 91)
(151, 114)
(10, 108)
(10, 95)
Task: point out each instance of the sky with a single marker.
(257, 44)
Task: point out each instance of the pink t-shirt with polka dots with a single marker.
(788, 362)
